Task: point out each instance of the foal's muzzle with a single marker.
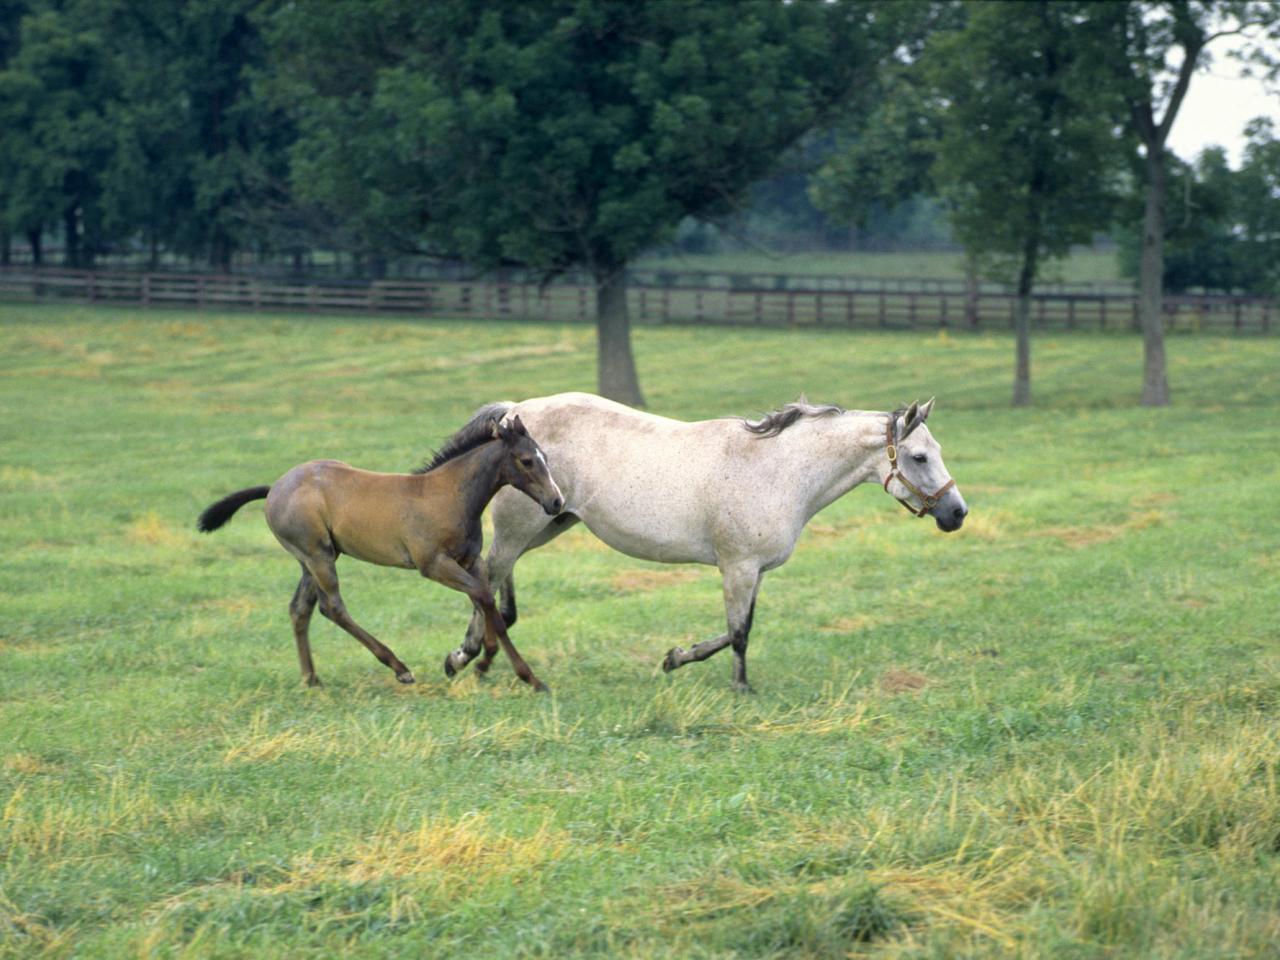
(553, 506)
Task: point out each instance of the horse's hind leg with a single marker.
(331, 605)
(741, 584)
(301, 607)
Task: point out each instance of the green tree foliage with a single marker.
(1026, 139)
(1222, 226)
(575, 133)
(128, 118)
(998, 114)
(1149, 51)
(56, 89)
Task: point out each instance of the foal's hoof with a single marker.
(672, 659)
(405, 677)
(449, 670)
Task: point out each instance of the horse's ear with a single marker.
(909, 421)
(518, 426)
(927, 409)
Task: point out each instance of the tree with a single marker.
(1149, 50)
(1024, 137)
(55, 90)
(559, 135)
(193, 140)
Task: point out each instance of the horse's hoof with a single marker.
(541, 687)
(449, 670)
(743, 688)
(670, 661)
(314, 681)
(405, 677)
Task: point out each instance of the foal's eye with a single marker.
(526, 461)
(919, 457)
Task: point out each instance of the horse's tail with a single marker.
(216, 514)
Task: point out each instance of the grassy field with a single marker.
(1083, 266)
(1055, 733)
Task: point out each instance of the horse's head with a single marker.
(525, 466)
(915, 474)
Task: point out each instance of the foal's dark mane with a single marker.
(772, 424)
(474, 433)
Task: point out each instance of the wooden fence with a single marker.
(889, 308)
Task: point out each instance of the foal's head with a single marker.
(919, 478)
(525, 466)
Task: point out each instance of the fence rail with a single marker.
(888, 307)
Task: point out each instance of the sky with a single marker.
(1218, 104)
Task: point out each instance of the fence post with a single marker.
(146, 289)
(849, 297)
(883, 315)
(1102, 311)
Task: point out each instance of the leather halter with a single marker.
(927, 500)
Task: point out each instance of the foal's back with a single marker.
(376, 517)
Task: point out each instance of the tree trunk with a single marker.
(71, 237)
(1022, 324)
(220, 251)
(37, 251)
(1155, 381)
(6, 248)
(616, 368)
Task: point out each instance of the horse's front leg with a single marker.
(444, 569)
(741, 584)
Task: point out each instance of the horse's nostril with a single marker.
(960, 513)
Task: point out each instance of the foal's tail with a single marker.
(216, 514)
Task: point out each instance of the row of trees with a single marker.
(580, 133)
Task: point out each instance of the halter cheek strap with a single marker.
(927, 500)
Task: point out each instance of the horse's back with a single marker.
(646, 485)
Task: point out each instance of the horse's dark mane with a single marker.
(477, 431)
(772, 424)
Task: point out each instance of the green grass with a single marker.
(1051, 734)
(1083, 266)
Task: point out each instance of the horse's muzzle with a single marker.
(553, 506)
(950, 521)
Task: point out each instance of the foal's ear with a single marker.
(518, 426)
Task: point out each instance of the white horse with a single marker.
(730, 492)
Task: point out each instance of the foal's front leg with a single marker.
(444, 569)
(741, 584)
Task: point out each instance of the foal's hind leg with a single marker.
(301, 607)
(331, 605)
(741, 584)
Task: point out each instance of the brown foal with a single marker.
(428, 521)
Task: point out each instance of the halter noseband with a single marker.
(927, 500)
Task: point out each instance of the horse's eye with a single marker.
(526, 462)
(919, 457)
